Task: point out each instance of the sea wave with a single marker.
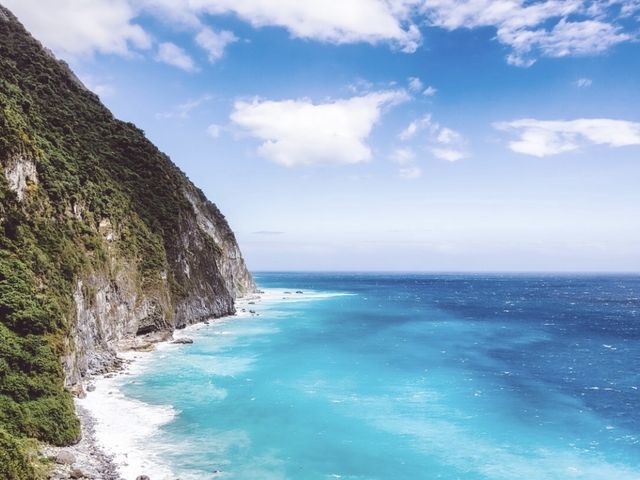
(127, 429)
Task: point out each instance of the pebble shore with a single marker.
(85, 459)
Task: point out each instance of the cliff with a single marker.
(104, 244)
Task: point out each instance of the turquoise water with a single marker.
(408, 377)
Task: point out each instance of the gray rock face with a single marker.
(20, 170)
(114, 312)
(212, 223)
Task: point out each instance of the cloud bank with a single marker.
(300, 132)
(549, 28)
(541, 138)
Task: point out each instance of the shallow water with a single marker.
(404, 377)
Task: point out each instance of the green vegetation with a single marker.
(90, 166)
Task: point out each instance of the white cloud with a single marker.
(517, 60)
(522, 25)
(543, 138)
(402, 156)
(172, 54)
(410, 173)
(430, 91)
(213, 130)
(583, 82)
(300, 132)
(84, 26)
(447, 136)
(414, 127)
(370, 21)
(405, 157)
(215, 42)
(97, 86)
(337, 22)
(567, 38)
(415, 84)
(552, 28)
(74, 28)
(184, 110)
(445, 143)
(448, 154)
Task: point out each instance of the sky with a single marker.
(406, 135)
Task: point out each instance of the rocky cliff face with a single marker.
(114, 310)
(104, 244)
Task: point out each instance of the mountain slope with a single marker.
(104, 244)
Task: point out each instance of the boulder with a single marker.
(183, 340)
(77, 473)
(65, 458)
(142, 477)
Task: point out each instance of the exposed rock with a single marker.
(142, 477)
(20, 171)
(77, 473)
(183, 340)
(90, 460)
(145, 347)
(210, 220)
(78, 391)
(65, 457)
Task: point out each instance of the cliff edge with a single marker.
(104, 244)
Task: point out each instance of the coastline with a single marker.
(101, 452)
(114, 427)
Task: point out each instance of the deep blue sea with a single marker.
(406, 377)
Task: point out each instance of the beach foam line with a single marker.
(125, 428)
(288, 295)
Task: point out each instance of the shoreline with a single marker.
(90, 458)
(114, 426)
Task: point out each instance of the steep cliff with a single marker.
(104, 244)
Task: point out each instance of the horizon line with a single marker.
(461, 272)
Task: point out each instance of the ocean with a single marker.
(396, 377)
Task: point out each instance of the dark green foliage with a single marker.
(90, 167)
(14, 458)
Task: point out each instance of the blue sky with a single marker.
(384, 135)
